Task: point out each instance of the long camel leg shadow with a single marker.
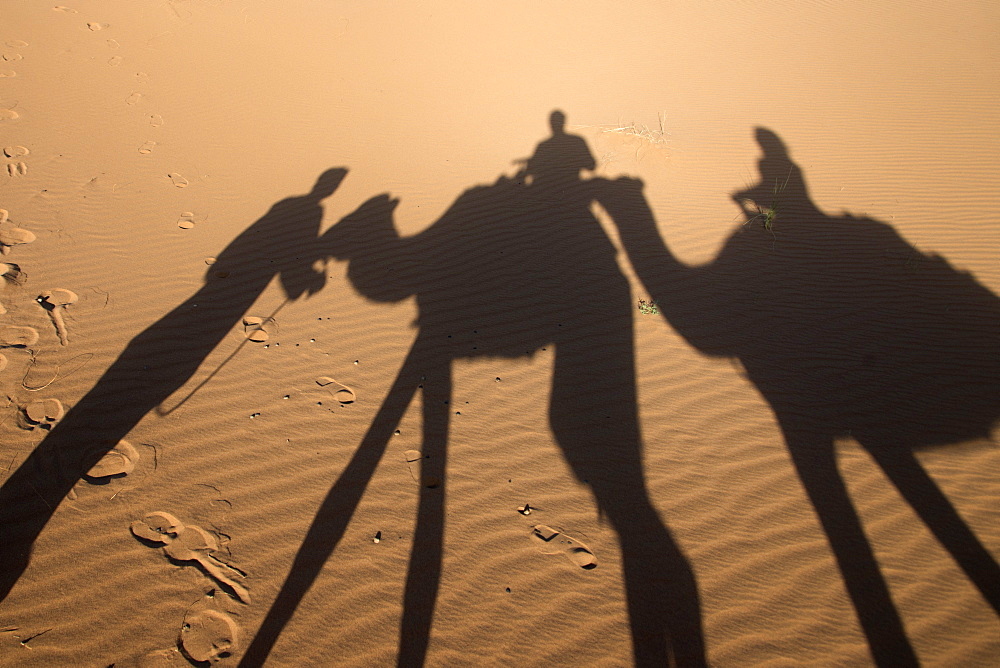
(424, 573)
(418, 371)
(943, 520)
(602, 443)
(815, 461)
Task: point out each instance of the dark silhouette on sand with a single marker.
(486, 285)
(159, 361)
(847, 330)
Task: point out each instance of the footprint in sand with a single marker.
(13, 336)
(16, 43)
(118, 462)
(12, 57)
(178, 180)
(189, 543)
(8, 115)
(7, 74)
(113, 44)
(42, 414)
(13, 236)
(64, 9)
(256, 329)
(340, 392)
(17, 169)
(55, 302)
(93, 25)
(12, 273)
(15, 151)
(208, 636)
(133, 98)
(186, 221)
(147, 148)
(552, 541)
(156, 120)
(115, 61)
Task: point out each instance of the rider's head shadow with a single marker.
(327, 183)
(558, 160)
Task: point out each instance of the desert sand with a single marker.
(530, 334)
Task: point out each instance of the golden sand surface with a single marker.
(325, 343)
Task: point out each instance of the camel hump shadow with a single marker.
(491, 273)
(846, 329)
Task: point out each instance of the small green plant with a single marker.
(767, 215)
(648, 307)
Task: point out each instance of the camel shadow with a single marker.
(486, 285)
(847, 330)
(160, 360)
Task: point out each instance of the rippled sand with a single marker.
(172, 159)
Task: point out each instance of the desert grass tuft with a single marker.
(656, 136)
